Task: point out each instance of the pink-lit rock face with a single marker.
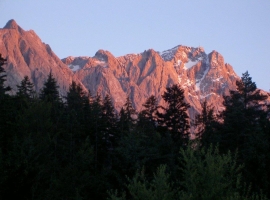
(28, 56)
(201, 75)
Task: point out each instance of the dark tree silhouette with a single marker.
(75, 97)
(245, 119)
(206, 126)
(147, 117)
(50, 91)
(174, 117)
(26, 88)
(127, 116)
(3, 89)
(108, 115)
(242, 114)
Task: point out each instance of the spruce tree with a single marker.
(75, 97)
(147, 117)
(50, 95)
(108, 116)
(243, 113)
(50, 91)
(127, 116)
(96, 133)
(244, 130)
(8, 111)
(26, 88)
(206, 125)
(174, 117)
(3, 89)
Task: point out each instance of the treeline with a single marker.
(78, 147)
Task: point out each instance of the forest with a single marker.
(78, 147)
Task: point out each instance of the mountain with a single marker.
(28, 55)
(201, 75)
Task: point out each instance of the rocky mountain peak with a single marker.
(203, 76)
(68, 59)
(150, 52)
(12, 24)
(183, 54)
(103, 55)
(216, 59)
(29, 56)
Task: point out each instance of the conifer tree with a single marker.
(87, 112)
(206, 125)
(243, 130)
(26, 88)
(108, 112)
(242, 114)
(97, 135)
(50, 91)
(3, 89)
(108, 115)
(75, 97)
(50, 94)
(174, 117)
(147, 117)
(127, 116)
(74, 112)
(7, 110)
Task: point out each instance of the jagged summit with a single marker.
(202, 75)
(28, 56)
(182, 52)
(103, 55)
(12, 24)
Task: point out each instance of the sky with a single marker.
(238, 29)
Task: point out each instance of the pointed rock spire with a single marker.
(12, 24)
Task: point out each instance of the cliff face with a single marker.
(201, 75)
(28, 55)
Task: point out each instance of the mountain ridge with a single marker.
(138, 76)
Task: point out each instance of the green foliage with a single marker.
(207, 174)
(140, 188)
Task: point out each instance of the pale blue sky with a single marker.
(238, 29)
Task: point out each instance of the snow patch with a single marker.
(198, 81)
(84, 57)
(218, 79)
(74, 68)
(168, 54)
(179, 79)
(192, 95)
(188, 83)
(101, 63)
(190, 64)
(212, 93)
